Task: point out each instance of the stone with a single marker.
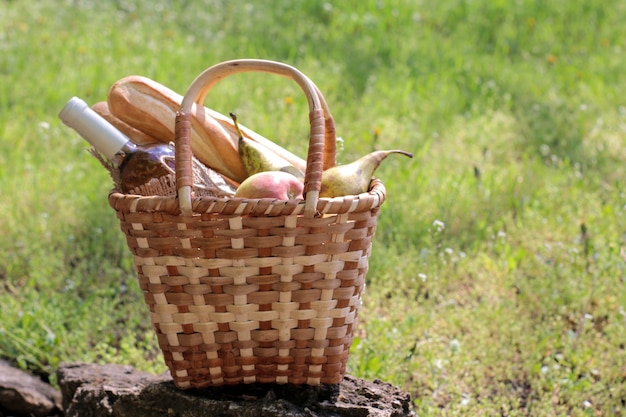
(91, 390)
(23, 394)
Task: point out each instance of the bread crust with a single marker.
(136, 135)
(151, 107)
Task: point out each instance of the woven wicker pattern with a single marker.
(241, 299)
(253, 290)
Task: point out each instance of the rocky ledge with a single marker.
(91, 390)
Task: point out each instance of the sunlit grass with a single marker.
(496, 283)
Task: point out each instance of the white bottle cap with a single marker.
(101, 134)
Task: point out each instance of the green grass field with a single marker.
(496, 283)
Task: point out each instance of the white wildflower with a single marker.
(439, 225)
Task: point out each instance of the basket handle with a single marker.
(322, 141)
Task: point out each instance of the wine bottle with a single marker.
(136, 164)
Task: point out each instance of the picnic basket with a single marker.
(252, 290)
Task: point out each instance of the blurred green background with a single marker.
(496, 283)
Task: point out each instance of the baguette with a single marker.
(151, 107)
(136, 135)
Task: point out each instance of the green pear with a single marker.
(257, 158)
(354, 178)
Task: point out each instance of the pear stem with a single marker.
(234, 117)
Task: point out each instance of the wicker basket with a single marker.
(252, 290)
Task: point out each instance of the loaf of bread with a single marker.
(151, 107)
(135, 135)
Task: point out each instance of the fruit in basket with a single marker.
(256, 158)
(271, 184)
(354, 178)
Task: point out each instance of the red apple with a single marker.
(271, 184)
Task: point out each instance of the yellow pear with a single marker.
(354, 178)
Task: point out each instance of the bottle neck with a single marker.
(129, 147)
(95, 129)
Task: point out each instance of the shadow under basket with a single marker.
(253, 290)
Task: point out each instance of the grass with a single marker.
(496, 284)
